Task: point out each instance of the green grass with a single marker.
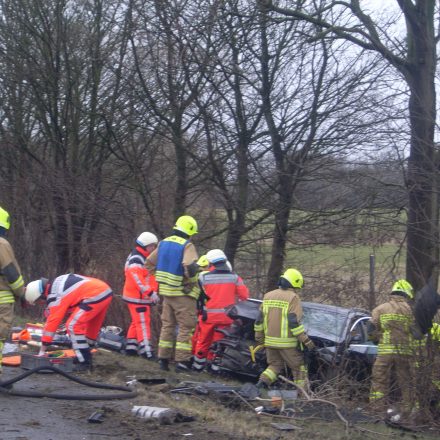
(353, 257)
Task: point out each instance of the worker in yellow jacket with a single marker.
(391, 324)
(174, 263)
(11, 281)
(280, 329)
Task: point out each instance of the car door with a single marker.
(360, 352)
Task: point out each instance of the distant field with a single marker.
(340, 265)
(355, 257)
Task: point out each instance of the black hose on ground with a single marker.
(5, 387)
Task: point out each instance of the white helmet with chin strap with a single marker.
(146, 238)
(216, 256)
(34, 290)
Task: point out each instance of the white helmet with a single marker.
(146, 238)
(216, 256)
(34, 290)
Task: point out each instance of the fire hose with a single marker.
(127, 392)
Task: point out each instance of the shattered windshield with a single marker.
(324, 322)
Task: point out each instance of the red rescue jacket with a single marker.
(139, 283)
(222, 288)
(67, 292)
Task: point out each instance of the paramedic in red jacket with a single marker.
(86, 299)
(221, 288)
(140, 292)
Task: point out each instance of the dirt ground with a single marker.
(25, 418)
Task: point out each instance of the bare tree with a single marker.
(163, 44)
(415, 58)
(232, 120)
(60, 49)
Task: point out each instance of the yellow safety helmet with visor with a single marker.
(5, 220)
(294, 277)
(187, 225)
(402, 286)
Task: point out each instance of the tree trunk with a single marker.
(181, 171)
(422, 227)
(236, 227)
(281, 228)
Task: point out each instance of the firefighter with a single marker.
(279, 327)
(175, 264)
(86, 299)
(390, 326)
(435, 335)
(221, 288)
(139, 293)
(435, 371)
(11, 281)
(203, 264)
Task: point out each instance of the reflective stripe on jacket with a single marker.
(170, 261)
(274, 325)
(11, 280)
(222, 289)
(393, 320)
(69, 291)
(139, 283)
(169, 269)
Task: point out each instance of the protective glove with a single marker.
(204, 315)
(310, 345)
(259, 338)
(154, 297)
(23, 303)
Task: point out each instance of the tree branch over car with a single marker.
(416, 62)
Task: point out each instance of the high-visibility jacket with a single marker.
(435, 334)
(139, 283)
(280, 322)
(222, 288)
(170, 261)
(68, 292)
(393, 320)
(11, 280)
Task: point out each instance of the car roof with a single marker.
(335, 309)
(327, 307)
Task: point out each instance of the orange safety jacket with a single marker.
(222, 288)
(67, 292)
(139, 283)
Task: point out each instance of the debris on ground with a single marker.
(96, 417)
(165, 416)
(284, 426)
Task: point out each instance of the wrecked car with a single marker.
(339, 333)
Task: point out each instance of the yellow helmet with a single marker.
(186, 224)
(404, 287)
(5, 220)
(294, 278)
(203, 261)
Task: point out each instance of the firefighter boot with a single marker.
(150, 356)
(183, 366)
(85, 364)
(163, 365)
(130, 352)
